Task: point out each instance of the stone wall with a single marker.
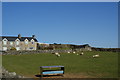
(33, 52)
(106, 49)
(6, 74)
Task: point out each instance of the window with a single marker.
(4, 48)
(11, 43)
(32, 41)
(17, 42)
(17, 48)
(4, 42)
(31, 47)
(26, 41)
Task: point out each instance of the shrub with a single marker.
(13, 48)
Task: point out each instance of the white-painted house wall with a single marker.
(19, 45)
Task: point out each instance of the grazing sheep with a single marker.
(96, 56)
(74, 52)
(81, 53)
(68, 52)
(57, 54)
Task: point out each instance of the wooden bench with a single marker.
(51, 70)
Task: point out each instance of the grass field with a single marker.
(106, 66)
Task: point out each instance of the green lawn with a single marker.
(106, 66)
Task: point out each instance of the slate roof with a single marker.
(13, 38)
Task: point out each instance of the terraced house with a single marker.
(18, 43)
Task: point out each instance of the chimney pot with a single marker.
(33, 36)
(19, 35)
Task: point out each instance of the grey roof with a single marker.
(13, 38)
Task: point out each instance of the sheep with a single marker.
(74, 52)
(81, 53)
(57, 54)
(96, 56)
(68, 52)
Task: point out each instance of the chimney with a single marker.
(33, 36)
(19, 35)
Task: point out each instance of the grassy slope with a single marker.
(105, 66)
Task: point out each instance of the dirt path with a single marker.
(65, 76)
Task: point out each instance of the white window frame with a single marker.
(32, 41)
(17, 48)
(5, 41)
(26, 41)
(11, 43)
(17, 41)
(4, 48)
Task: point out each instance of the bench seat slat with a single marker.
(52, 72)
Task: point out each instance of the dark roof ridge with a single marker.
(13, 38)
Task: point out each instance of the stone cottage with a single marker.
(18, 43)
